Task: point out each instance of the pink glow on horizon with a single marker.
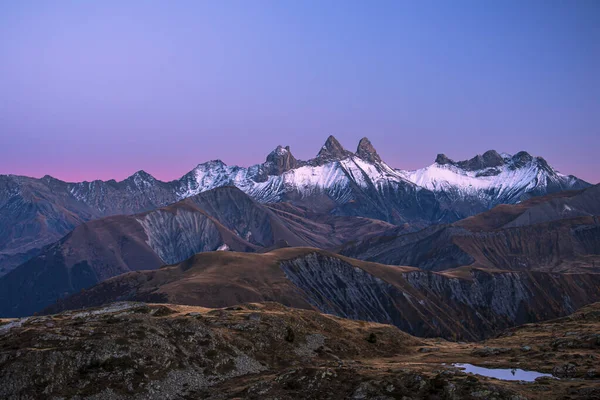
(172, 168)
(100, 90)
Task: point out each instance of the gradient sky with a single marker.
(101, 89)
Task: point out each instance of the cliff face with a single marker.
(174, 236)
(432, 304)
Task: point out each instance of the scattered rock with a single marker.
(372, 338)
(591, 374)
(428, 349)
(567, 370)
(254, 317)
(490, 351)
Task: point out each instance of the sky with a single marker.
(101, 89)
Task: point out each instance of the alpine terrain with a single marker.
(334, 277)
(37, 212)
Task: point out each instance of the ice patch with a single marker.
(223, 247)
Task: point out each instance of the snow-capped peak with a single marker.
(492, 177)
(360, 183)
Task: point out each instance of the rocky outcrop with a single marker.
(138, 351)
(332, 150)
(489, 159)
(367, 152)
(280, 160)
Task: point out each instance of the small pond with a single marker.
(506, 374)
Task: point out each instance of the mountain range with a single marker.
(224, 218)
(37, 212)
(302, 279)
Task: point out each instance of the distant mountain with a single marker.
(337, 181)
(459, 305)
(476, 185)
(36, 212)
(219, 219)
(558, 232)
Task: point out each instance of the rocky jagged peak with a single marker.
(489, 159)
(212, 164)
(280, 160)
(140, 178)
(332, 150)
(443, 159)
(366, 151)
(492, 158)
(522, 155)
(141, 174)
(50, 179)
(521, 159)
(279, 151)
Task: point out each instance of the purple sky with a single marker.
(101, 89)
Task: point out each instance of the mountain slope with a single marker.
(469, 305)
(559, 233)
(220, 219)
(106, 247)
(37, 212)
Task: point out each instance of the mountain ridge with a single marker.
(558, 232)
(224, 218)
(470, 305)
(36, 212)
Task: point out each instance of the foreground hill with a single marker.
(559, 233)
(268, 351)
(220, 219)
(37, 212)
(467, 304)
